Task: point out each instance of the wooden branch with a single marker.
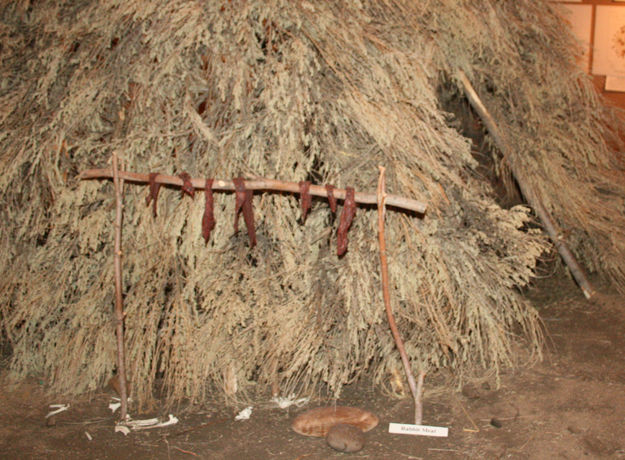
(416, 390)
(119, 308)
(532, 199)
(418, 417)
(257, 184)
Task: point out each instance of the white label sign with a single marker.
(418, 430)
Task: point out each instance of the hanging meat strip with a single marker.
(347, 215)
(154, 189)
(208, 219)
(187, 186)
(304, 191)
(244, 203)
(331, 199)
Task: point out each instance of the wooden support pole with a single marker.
(258, 184)
(119, 307)
(534, 202)
(415, 388)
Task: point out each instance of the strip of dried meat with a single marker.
(331, 199)
(244, 203)
(154, 189)
(304, 191)
(347, 215)
(187, 186)
(208, 219)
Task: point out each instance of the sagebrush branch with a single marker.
(258, 184)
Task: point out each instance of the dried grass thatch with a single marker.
(287, 90)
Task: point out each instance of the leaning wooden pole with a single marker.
(534, 202)
(119, 307)
(415, 388)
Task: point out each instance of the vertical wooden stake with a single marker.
(119, 307)
(415, 389)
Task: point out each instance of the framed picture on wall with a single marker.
(614, 84)
(609, 49)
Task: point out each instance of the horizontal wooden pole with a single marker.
(257, 184)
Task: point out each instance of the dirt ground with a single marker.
(570, 406)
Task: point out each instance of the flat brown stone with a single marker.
(317, 422)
